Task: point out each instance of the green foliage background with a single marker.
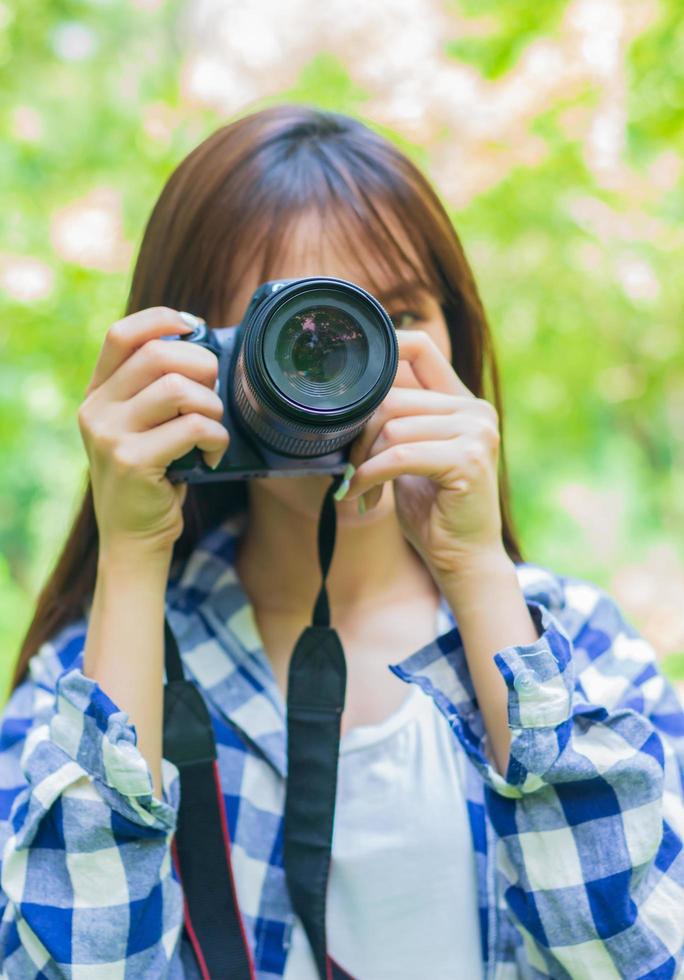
(593, 378)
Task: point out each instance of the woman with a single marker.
(515, 810)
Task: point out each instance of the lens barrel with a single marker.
(317, 357)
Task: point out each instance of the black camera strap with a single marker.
(315, 699)
(201, 847)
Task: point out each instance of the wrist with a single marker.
(134, 559)
(475, 576)
(473, 565)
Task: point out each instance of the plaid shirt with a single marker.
(578, 849)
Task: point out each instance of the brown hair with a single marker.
(235, 196)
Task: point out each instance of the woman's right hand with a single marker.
(149, 402)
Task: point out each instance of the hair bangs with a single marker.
(351, 221)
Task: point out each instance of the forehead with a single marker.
(320, 244)
(317, 244)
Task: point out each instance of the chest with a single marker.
(372, 640)
(400, 793)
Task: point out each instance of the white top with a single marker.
(402, 892)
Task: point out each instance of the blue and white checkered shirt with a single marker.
(578, 849)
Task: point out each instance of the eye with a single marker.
(405, 319)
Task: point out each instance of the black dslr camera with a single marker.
(299, 378)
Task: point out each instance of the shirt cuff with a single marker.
(92, 731)
(540, 681)
(540, 675)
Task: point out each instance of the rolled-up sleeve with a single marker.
(88, 884)
(590, 813)
(89, 728)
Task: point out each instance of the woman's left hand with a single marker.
(439, 443)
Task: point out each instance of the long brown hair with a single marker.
(234, 197)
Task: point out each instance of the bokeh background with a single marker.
(554, 132)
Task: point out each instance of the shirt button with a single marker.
(526, 682)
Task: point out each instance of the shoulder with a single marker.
(613, 663)
(568, 595)
(35, 694)
(30, 706)
(60, 653)
(589, 614)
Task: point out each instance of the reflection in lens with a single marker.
(321, 350)
(317, 353)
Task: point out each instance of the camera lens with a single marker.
(318, 356)
(321, 350)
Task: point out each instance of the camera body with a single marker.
(299, 377)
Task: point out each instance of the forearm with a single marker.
(491, 613)
(124, 649)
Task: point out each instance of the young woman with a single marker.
(513, 808)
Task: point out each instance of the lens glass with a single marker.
(321, 350)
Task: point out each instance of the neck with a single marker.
(277, 559)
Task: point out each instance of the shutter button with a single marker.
(526, 682)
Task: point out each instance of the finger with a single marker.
(131, 332)
(436, 459)
(372, 497)
(423, 428)
(402, 401)
(170, 395)
(156, 358)
(405, 378)
(159, 447)
(428, 363)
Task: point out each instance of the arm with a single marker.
(481, 586)
(86, 870)
(148, 402)
(589, 810)
(124, 651)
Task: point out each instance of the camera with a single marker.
(299, 377)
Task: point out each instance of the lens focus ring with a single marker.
(315, 445)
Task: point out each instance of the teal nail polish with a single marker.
(362, 505)
(341, 491)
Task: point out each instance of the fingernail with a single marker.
(344, 486)
(191, 320)
(212, 466)
(341, 490)
(362, 505)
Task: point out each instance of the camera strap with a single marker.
(202, 848)
(316, 688)
(201, 845)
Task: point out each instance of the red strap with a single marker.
(229, 861)
(334, 970)
(201, 962)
